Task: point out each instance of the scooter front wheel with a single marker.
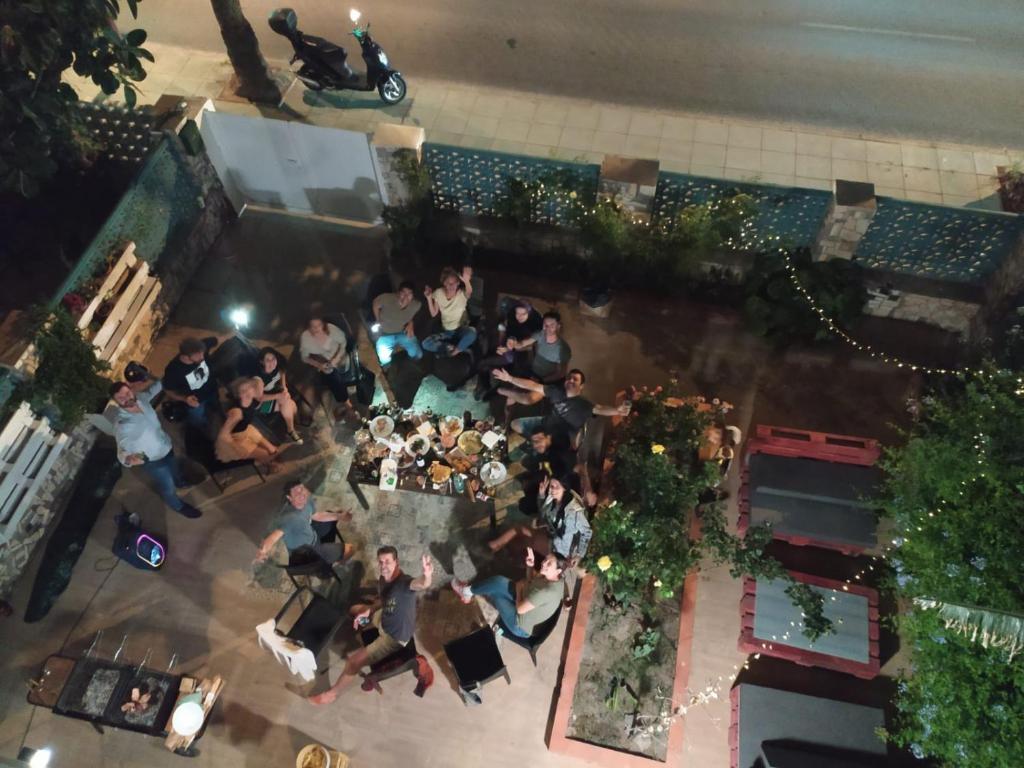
(392, 88)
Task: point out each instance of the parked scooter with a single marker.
(324, 64)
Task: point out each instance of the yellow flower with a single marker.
(572, 195)
(604, 563)
(657, 448)
(657, 582)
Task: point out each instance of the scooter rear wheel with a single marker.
(392, 89)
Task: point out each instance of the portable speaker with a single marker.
(139, 548)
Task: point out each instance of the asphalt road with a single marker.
(937, 69)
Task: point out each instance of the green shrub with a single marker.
(774, 307)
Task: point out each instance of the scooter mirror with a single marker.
(354, 15)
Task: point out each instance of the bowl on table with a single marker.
(493, 472)
(382, 426)
(470, 442)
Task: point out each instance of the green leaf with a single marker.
(136, 37)
(133, 6)
(130, 96)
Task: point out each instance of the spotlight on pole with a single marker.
(239, 317)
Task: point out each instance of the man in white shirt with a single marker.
(142, 442)
(450, 302)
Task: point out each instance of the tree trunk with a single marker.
(254, 80)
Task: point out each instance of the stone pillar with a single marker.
(849, 215)
(388, 140)
(630, 182)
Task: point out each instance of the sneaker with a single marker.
(294, 437)
(190, 512)
(463, 590)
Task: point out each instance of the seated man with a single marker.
(304, 530)
(569, 409)
(450, 302)
(524, 604)
(550, 359)
(549, 457)
(187, 378)
(393, 614)
(394, 313)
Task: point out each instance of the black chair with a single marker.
(315, 626)
(540, 633)
(476, 661)
(199, 448)
(401, 661)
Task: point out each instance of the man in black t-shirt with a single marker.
(393, 614)
(569, 409)
(188, 379)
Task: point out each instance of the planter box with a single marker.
(28, 449)
(558, 740)
(132, 290)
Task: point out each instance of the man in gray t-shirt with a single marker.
(393, 615)
(551, 352)
(302, 528)
(394, 313)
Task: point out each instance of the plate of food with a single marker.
(470, 442)
(450, 425)
(382, 426)
(439, 473)
(493, 472)
(458, 460)
(417, 445)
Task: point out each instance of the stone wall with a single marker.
(175, 270)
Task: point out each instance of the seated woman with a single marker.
(521, 322)
(561, 525)
(238, 439)
(324, 346)
(272, 372)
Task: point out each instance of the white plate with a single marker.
(382, 426)
(423, 442)
(493, 472)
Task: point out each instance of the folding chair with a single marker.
(401, 661)
(311, 631)
(540, 633)
(199, 448)
(476, 661)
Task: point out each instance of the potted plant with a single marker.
(1011, 187)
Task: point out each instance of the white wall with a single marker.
(292, 166)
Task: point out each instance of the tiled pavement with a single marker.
(572, 129)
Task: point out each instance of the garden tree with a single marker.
(40, 126)
(254, 79)
(642, 545)
(954, 494)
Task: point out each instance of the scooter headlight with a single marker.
(382, 58)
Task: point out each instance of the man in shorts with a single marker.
(393, 613)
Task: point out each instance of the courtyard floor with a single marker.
(204, 604)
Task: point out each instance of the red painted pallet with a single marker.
(803, 444)
(807, 658)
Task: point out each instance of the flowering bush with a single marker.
(642, 541)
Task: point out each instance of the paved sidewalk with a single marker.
(572, 129)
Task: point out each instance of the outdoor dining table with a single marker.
(471, 492)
